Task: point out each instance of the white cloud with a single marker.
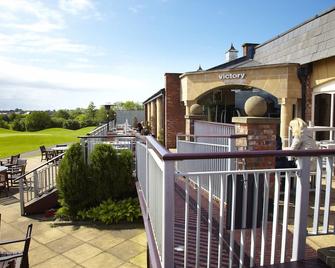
(136, 8)
(30, 76)
(86, 8)
(41, 44)
(28, 87)
(29, 15)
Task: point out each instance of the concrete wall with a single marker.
(308, 42)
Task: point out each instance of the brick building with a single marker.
(294, 73)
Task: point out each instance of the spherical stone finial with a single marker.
(196, 109)
(255, 106)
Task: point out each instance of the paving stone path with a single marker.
(64, 244)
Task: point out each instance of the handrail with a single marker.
(245, 154)
(233, 136)
(107, 136)
(216, 123)
(42, 165)
(164, 154)
(97, 129)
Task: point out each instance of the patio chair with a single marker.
(4, 182)
(46, 154)
(16, 259)
(16, 171)
(11, 161)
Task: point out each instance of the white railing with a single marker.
(203, 128)
(38, 182)
(156, 183)
(184, 146)
(246, 234)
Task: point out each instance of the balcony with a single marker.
(203, 208)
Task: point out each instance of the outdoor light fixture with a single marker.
(107, 108)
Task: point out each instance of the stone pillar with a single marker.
(188, 117)
(261, 133)
(159, 119)
(286, 113)
(153, 115)
(148, 113)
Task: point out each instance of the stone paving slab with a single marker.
(64, 244)
(58, 244)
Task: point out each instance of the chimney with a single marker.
(231, 54)
(249, 49)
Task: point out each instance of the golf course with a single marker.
(14, 142)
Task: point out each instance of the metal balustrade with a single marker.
(239, 230)
(203, 128)
(39, 181)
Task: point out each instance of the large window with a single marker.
(323, 108)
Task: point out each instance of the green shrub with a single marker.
(71, 124)
(57, 122)
(73, 182)
(111, 211)
(18, 124)
(112, 173)
(37, 121)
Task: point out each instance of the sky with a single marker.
(57, 54)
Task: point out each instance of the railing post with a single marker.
(21, 196)
(36, 187)
(301, 209)
(168, 215)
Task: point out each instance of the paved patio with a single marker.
(64, 244)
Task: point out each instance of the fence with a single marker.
(191, 144)
(240, 231)
(205, 129)
(39, 181)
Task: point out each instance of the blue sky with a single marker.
(65, 53)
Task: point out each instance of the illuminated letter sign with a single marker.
(231, 76)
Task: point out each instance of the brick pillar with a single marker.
(261, 133)
(174, 109)
(309, 96)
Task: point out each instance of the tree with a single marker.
(37, 121)
(91, 111)
(129, 105)
(18, 124)
(61, 114)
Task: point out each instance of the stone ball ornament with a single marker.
(255, 106)
(196, 109)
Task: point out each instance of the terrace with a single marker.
(205, 206)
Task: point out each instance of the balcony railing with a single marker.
(195, 225)
(39, 181)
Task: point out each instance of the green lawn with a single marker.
(14, 142)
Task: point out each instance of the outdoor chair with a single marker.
(16, 259)
(46, 154)
(4, 182)
(16, 171)
(11, 161)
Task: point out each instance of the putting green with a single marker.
(14, 142)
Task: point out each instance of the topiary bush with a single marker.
(74, 185)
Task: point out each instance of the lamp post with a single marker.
(107, 108)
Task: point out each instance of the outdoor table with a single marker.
(60, 148)
(3, 169)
